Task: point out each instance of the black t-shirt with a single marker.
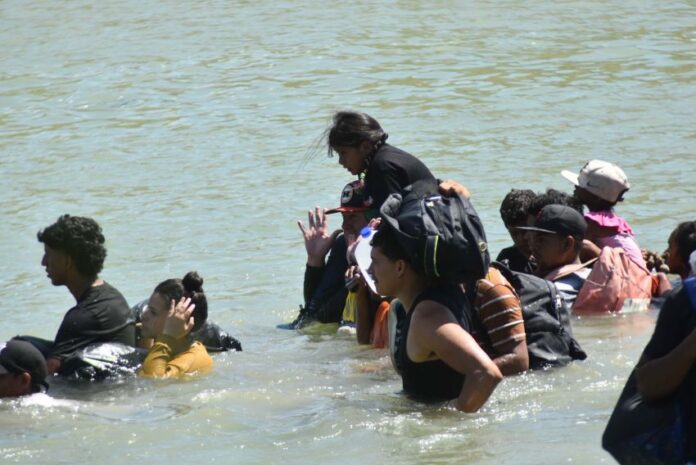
(100, 315)
(434, 380)
(515, 260)
(391, 169)
(676, 321)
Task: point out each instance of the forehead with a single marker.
(345, 149)
(156, 303)
(546, 237)
(51, 251)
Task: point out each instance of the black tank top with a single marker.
(433, 380)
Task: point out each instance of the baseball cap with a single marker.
(603, 179)
(352, 199)
(19, 357)
(559, 219)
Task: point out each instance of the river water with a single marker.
(189, 131)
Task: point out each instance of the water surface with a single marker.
(185, 130)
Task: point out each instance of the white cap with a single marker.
(601, 178)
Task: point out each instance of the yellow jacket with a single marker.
(174, 358)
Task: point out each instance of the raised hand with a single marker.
(451, 188)
(317, 239)
(179, 320)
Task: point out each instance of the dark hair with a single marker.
(351, 128)
(389, 245)
(552, 196)
(81, 238)
(191, 286)
(684, 237)
(515, 205)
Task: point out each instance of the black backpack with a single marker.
(550, 340)
(443, 235)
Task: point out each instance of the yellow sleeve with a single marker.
(165, 361)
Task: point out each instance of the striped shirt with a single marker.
(500, 313)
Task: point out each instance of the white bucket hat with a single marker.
(603, 179)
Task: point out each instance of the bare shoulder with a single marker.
(429, 313)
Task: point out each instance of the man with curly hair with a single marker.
(513, 211)
(74, 255)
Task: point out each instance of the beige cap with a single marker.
(603, 179)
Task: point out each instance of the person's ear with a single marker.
(569, 244)
(400, 267)
(24, 380)
(69, 262)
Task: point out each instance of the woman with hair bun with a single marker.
(176, 308)
(361, 145)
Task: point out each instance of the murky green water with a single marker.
(182, 127)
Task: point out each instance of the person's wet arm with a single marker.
(364, 315)
(500, 312)
(660, 377)
(435, 331)
(671, 352)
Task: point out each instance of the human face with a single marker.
(520, 238)
(549, 250)
(674, 261)
(15, 384)
(154, 316)
(351, 158)
(385, 272)
(56, 263)
(353, 222)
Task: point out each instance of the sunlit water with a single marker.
(187, 128)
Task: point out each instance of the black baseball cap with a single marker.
(559, 219)
(22, 357)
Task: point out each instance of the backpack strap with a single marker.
(566, 270)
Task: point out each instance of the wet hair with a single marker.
(513, 209)
(684, 236)
(192, 287)
(351, 128)
(80, 238)
(553, 196)
(388, 244)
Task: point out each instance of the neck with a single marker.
(412, 286)
(79, 285)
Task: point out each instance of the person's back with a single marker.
(101, 315)
(390, 170)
